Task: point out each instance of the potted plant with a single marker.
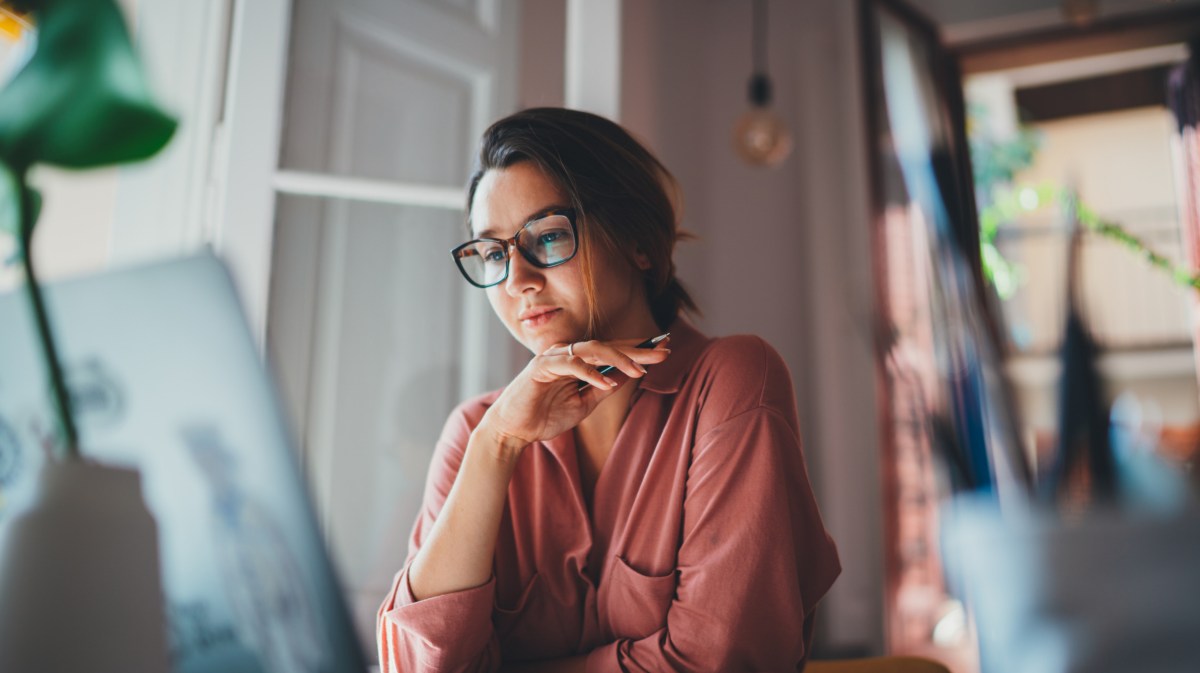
(87, 543)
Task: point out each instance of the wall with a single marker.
(782, 253)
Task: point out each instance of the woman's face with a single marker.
(542, 307)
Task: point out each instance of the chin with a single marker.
(538, 342)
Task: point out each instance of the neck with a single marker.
(604, 423)
(596, 434)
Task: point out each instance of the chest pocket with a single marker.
(632, 604)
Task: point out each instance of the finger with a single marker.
(602, 354)
(556, 349)
(624, 343)
(567, 366)
(647, 356)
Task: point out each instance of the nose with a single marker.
(522, 276)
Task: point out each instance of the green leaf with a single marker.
(81, 100)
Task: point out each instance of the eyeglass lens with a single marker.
(545, 242)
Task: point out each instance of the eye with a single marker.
(551, 237)
(489, 252)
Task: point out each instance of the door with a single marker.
(373, 335)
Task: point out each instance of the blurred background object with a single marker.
(79, 100)
(12, 23)
(760, 137)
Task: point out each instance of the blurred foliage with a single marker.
(995, 164)
(1003, 202)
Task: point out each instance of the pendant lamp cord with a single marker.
(760, 84)
(759, 46)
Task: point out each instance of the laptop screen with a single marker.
(165, 378)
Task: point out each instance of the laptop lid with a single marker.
(165, 377)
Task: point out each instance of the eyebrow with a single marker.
(491, 232)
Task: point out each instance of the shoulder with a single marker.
(744, 367)
(738, 374)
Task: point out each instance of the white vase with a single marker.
(80, 585)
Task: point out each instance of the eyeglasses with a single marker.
(546, 241)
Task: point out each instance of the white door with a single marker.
(373, 334)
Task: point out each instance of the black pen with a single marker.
(648, 343)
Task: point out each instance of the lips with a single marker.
(533, 317)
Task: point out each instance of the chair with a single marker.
(877, 665)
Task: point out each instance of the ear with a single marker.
(641, 261)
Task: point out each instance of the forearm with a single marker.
(461, 545)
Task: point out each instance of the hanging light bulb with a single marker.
(760, 137)
(1080, 13)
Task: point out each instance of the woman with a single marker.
(655, 518)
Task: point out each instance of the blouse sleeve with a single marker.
(754, 560)
(453, 632)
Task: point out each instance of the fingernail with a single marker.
(639, 366)
(611, 383)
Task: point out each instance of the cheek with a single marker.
(572, 284)
(497, 298)
(624, 283)
(572, 292)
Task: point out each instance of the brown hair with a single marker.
(620, 192)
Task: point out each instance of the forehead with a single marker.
(507, 197)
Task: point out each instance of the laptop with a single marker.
(165, 377)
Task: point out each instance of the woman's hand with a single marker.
(545, 400)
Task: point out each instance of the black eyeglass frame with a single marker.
(510, 243)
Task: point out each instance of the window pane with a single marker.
(369, 329)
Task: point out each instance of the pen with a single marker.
(648, 343)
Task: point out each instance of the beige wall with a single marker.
(782, 253)
(1118, 161)
(72, 234)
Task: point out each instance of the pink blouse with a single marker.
(703, 551)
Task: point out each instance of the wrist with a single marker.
(499, 444)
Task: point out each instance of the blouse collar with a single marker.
(686, 345)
